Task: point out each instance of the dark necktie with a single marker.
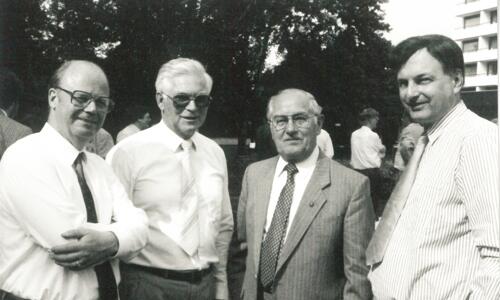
(275, 237)
(105, 277)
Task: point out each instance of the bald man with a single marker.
(64, 216)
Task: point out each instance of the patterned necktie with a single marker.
(105, 277)
(275, 237)
(190, 229)
(378, 244)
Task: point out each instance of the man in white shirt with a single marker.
(180, 179)
(325, 144)
(439, 235)
(367, 152)
(306, 219)
(64, 215)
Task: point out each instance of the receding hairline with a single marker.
(314, 107)
(63, 69)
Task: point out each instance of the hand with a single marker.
(85, 249)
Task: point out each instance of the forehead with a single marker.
(290, 104)
(185, 83)
(85, 77)
(420, 63)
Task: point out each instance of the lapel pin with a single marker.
(311, 204)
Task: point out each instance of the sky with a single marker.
(416, 17)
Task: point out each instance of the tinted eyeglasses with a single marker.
(81, 99)
(182, 100)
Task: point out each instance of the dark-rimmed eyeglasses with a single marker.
(299, 121)
(81, 99)
(182, 100)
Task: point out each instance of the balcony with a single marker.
(480, 55)
(464, 9)
(481, 80)
(475, 31)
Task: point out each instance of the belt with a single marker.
(179, 275)
(8, 296)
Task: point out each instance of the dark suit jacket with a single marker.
(323, 256)
(10, 131)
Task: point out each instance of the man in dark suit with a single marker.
(10, 93)
(305, 219)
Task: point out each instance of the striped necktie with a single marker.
(105, 277)
(190, 231)
(382, 236)
(275, 237)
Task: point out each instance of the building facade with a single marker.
(477, 33)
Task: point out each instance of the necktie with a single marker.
(190, 240)
(378, 244)
(275, 237)
(105, 277)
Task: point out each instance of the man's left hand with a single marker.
(85, 249)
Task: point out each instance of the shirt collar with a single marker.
(436, 130)
(60, 147)
(171, 139)
(302, 165)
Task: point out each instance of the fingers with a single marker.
(66, 257)
(70, 247)
(75, 233)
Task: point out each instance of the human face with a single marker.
(78, 124)
(145, 121)
(294, 143)
(183, 120)
(426, 92)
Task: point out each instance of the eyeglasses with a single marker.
(81, 99)
(182, 100)
(299, 121)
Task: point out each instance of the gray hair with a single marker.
(314, 107)
(182, 66)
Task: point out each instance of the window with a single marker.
(470, 69)
(489, 88)
(492, 42)
(471, 21)
(491, 68)
(493, 16)
(469, 46)
(469, 89)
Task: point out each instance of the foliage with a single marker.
(332, 48)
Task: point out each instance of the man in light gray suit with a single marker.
(305, 219)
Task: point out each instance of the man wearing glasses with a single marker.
(305, 218)
(180, 179)
(64, 214)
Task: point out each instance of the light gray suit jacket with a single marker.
(323, 256)
(10, 131)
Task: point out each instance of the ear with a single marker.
(321, 119)
(458, 80)
(53, 98)
(159, 101)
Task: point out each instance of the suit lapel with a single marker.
(262, 195)
(310, 204)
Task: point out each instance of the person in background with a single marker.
(101, 143)
(11, 91)
(367, 152)
(179, 177)
(438, 236)
(142, 121)
(325, 144)
(305, 219)
(64, 216)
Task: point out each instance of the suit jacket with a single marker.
(323, 256)
(11, 131)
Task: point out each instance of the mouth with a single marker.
(416, 106)
(88, 121)
(190, 118)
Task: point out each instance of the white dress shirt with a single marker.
(367, 149)
(149, 165)
(301, 179)
(127, 131)
(324, 142)
(446, 243)
(40, 198)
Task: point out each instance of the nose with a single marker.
(191, 106)
(413, 90)
(91, 106)
(290, 126)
